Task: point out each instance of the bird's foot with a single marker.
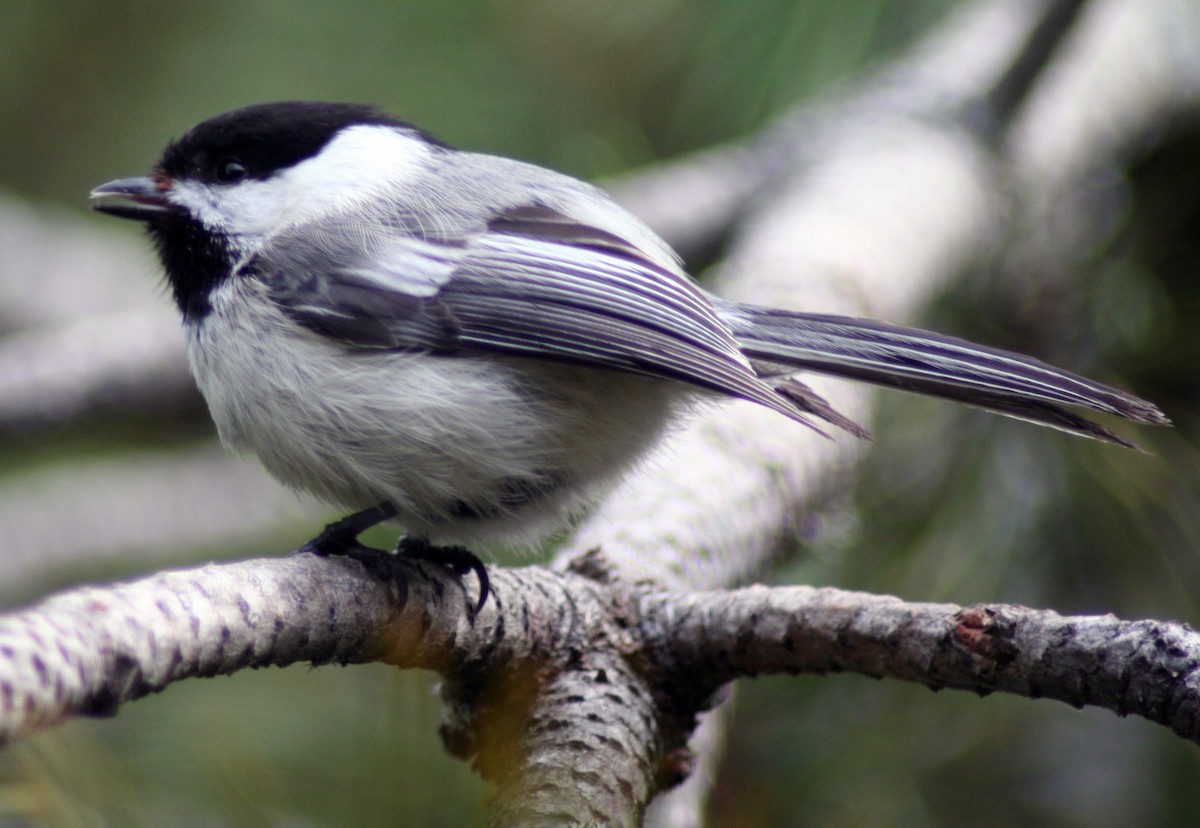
(459, 559)
(341, 538)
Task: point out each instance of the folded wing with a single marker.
(536, 284)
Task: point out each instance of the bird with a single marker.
(475, 347)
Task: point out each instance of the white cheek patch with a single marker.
(352, 168)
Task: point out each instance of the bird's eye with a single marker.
(230, 170)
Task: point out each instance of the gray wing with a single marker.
(363, 286)
(537, 283)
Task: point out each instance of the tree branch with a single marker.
(1144, 668)
(623, 670)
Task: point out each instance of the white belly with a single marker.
(465, 448)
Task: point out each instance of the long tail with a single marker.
(931, 364)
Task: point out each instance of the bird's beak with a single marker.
(141, 198)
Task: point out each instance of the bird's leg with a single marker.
(460, 559)
(341, 538)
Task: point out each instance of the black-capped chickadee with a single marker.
(475, 346)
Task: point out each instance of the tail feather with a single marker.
(934, 365)
(811, 402)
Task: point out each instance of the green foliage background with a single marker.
(955, 505)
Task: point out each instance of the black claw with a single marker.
(458, 558)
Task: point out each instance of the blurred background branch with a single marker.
(1073, 239)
